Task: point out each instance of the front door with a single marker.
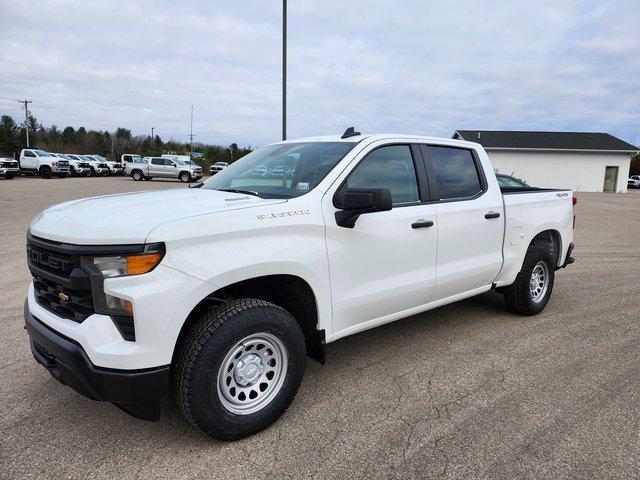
(386, 263)
(610, 179)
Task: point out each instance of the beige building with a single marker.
(583, 162)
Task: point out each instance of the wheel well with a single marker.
(289, 292)
(45, 167)
(184, 171)
(549, 239)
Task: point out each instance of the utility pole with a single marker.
(231, 150)
(26, 117)
(284, 69)
(152, 129)
(191, 134)
(153, 143)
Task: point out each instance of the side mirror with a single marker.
(361, 200)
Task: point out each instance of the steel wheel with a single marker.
(252, 373)
(539, 281)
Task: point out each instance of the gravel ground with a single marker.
(467, 390)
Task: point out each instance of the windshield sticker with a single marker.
(302, 186)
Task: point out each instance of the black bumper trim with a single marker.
(137, 392)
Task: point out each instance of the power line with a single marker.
(26, 117)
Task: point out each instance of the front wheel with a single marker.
(185, 177)
(45, 172)
(239, 368)
(137, 175)
(9, 176)
(530, 292)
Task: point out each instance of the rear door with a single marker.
(156, 167)
(470, 220)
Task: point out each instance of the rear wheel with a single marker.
(239, 368)
(45, 172)
(148, 178)
(185, 177)
(137, 175)
(530, 292)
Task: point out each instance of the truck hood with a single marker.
(130, 217)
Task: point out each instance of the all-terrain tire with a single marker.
(518, 296)
(202, 358)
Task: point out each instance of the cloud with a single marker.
(405, 66)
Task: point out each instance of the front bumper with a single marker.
(60, 169)
(137, 392)
(9, 171)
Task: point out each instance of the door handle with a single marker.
(422, 224)
(492, 215)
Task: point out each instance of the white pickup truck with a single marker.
(362, 230)
(38, 162)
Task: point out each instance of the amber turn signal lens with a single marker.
(137, 264)
(128, 307)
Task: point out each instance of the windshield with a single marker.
(220, 164)
(62, 155)
(42, 153)
(283, 170)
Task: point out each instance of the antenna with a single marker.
(350, 132)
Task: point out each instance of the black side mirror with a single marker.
(360, 200)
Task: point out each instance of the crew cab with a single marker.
(78, 168)
(9, 168)
(164, 168)
(38, 162)
(360, 231)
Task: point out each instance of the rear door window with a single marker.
(453, 172)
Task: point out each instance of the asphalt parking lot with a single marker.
(467, 390)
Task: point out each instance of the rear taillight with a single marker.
(575, 200)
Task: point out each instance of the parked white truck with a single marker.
(162, 167)
(365, 230)
(38, 162)
(78, 168)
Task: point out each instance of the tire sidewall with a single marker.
(137, 176)
(185, 177)
(207, 410)
(45, 172)
(534, 256)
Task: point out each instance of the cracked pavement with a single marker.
(467, 390)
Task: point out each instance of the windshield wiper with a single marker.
(237, 190)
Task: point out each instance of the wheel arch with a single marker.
(290, 292)
(552, 240)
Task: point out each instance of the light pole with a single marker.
(26, 117)
(153, 144)
(284, 69)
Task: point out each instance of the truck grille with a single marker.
(103, 165)
(83, 165)
(60, 284)
(9, 164)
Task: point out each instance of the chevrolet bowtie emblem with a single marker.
(63, 296)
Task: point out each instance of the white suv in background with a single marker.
(217, 167)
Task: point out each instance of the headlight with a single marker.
(135, 264)
(101, 268)
(54, 164)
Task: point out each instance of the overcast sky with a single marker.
(412, 66)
